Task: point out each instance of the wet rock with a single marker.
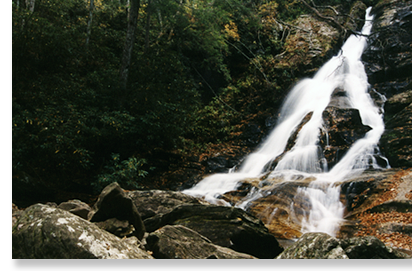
(371, 199)
(343, 126)
(374, 188)
(44, 232)
(179, 242)
(114, 203)
(76, 207)
(276, 203)
(156, 202)
(324, 246)
(291, 140)
(224, 226)
(339, 99)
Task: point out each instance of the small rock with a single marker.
(76, 207)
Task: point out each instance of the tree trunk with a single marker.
(30, 5)
(128, 44)
(89, 23)
(148, 13)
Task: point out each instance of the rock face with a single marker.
(388, 63)
(389, 56)
(396, 142)
(179, 242)
(224, 226)
(114, 203)
(44, 232)
(342, 127)
(324, 246)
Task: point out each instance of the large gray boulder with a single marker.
(323, 246)
(45, 232)
(179, 242)
(224, 226)
(314, 246)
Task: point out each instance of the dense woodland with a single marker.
(104, 89)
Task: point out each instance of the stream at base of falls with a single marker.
(313, 202)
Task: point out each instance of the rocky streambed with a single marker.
(377, 203)
(157, 224)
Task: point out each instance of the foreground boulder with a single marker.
(179, 242)
(224, 226)
(323, 246)
(114, 203)
(44, 232)
(370, 247)
(314, 246)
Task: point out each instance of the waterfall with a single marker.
(344, 71)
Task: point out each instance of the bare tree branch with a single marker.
(330, 20)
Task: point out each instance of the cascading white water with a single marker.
(344, 71)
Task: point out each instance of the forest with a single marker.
(116, 90)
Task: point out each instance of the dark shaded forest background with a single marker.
(199, 72)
